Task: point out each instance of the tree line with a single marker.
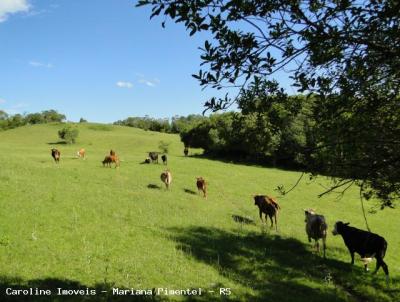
(8, 121)
(281, 135)
(176, 124)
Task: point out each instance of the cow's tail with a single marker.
(384, 248)
(324, 227)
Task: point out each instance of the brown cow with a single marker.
(201, 185)
(81, 153)
(166, 177)
(112, 158)
(56, 154)
(269, 206)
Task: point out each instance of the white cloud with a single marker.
(8, 7)
(143, 80)
(40, 64)
(150, 83)
(123, 84)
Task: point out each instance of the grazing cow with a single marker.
(316, 228)
(81, 153)
(154, 157)
(186, 151)
(366, 244)
(112, 158)
(164, 159)
(56, 155)
(268, 206)
(166, 177)
(147, 160)
(201, 185)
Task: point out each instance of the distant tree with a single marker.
(69, 134)
(183, 123)
(17, 120)
(3, 115)
(82, 120)
(50, 116)
(34, 118)
(3, 120)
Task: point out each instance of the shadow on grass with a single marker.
(104, 291)
(244, 220)
(57, 143)
(251, 162)
(273, 268)
(189, 191)
(153, 186)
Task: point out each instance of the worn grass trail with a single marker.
(78, 225)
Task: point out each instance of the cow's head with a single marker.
(338, 228)
(258, 199)
(308, 213)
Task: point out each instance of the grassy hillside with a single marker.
(78, 225)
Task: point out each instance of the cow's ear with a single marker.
(347, 223)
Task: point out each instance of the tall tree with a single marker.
(345, 53)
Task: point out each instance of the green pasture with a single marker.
(78, 225)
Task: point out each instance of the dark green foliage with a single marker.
(82, 120)
(276, 136)
(345, 53)
(69, 134)
(18, 120)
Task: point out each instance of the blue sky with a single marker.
(103, 60)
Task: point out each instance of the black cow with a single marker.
(164, 159)
(154, 157)
(364, 243)
(56, 155)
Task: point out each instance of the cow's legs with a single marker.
(324, 245)
(379, 263)
(352, 257)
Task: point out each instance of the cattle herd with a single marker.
(367, 244)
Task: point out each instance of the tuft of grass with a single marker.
(77, 224)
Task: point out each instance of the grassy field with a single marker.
(79, 225)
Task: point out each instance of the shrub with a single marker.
(68, 134)
(163, 146)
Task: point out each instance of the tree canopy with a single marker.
(344, 54)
